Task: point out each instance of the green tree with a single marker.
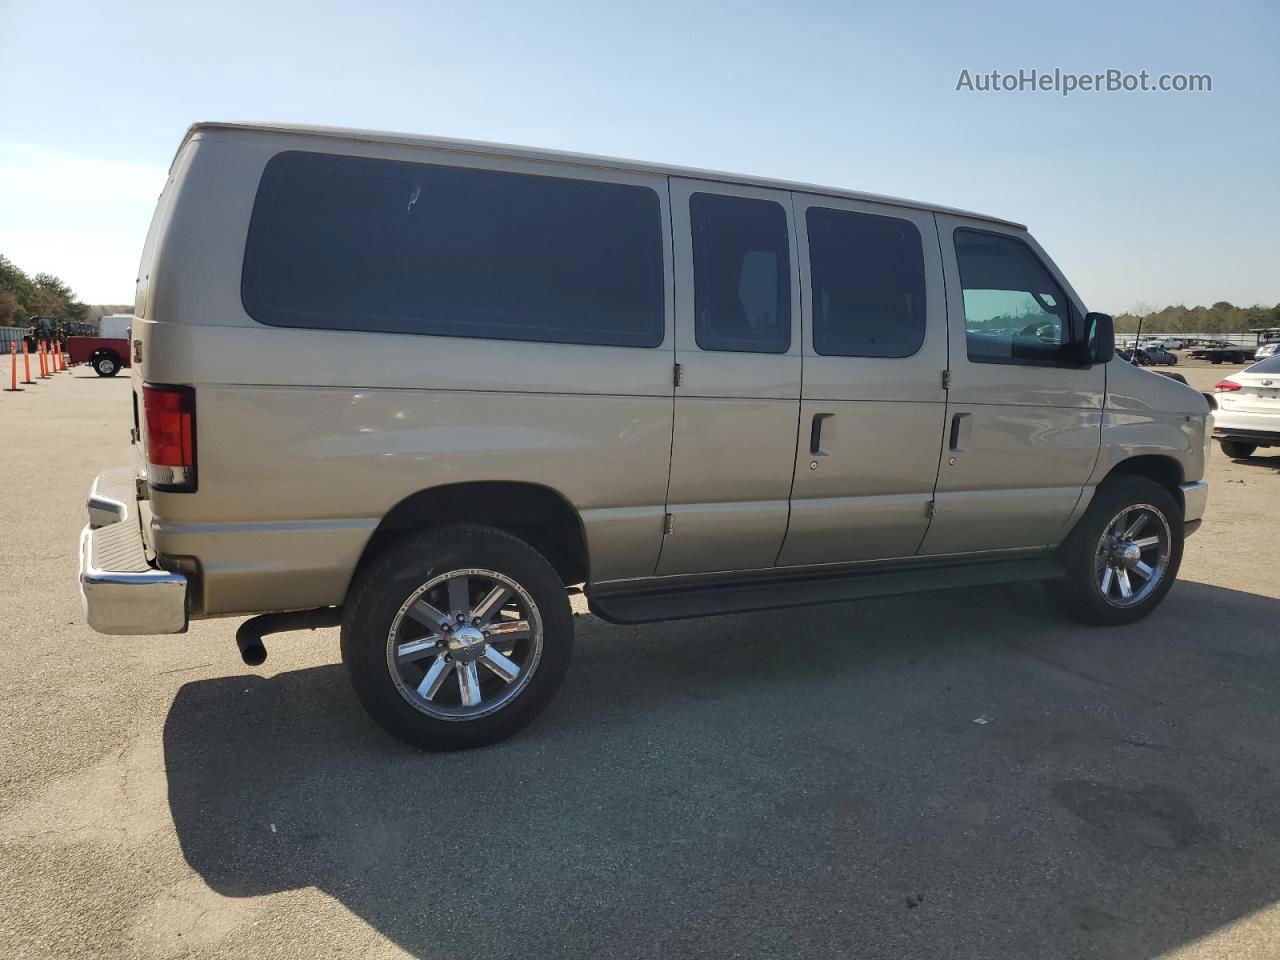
(20, 286)
(56, 299)
(8, 307)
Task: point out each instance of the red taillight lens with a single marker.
(170, 415)
(1226, 386)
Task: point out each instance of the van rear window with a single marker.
(351, 243)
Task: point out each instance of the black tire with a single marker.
(1078, 594)
(1237, 449)
(106, 364)
(381, 590)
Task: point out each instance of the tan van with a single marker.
(422, 387)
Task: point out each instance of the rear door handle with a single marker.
(959, 431)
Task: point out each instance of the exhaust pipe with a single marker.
(249, 637)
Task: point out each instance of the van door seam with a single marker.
(946, 390)
(675, 354)
(795, 460)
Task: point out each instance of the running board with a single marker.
(658, 600)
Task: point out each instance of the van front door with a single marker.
(737, 392)
(875, 346)
(1024, 419)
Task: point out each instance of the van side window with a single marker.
(867, 277)
(1014, 311)
(742, 274)
(352, 243)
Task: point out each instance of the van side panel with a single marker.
(306, 438)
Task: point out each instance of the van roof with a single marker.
(584, 159)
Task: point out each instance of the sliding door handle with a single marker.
(815, 434)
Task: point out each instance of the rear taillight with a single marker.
(1226, 386)
(170, 416)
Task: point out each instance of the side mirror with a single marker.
(1099, 337)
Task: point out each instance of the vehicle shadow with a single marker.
(1268, 459)
(959, 774)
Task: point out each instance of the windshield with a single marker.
(1269, 365)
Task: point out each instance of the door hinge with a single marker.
(677, 375)
(946, 379)
(669, 525)
(930, 509)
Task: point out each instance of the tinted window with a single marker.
(742, 274)
(1014, 311)
(867, 274)
(356, 244)
(1270, 365)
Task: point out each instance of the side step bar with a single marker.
(655, 600)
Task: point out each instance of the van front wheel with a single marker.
(457, 637)
(1123, 555)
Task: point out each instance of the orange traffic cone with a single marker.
(13, 370)
(26, 363)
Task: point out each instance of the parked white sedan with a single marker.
(1248, 414)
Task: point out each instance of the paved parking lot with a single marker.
(960, 774)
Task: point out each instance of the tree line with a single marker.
(23, 298)
(1222, 317)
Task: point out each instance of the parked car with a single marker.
(1265, 350)
(1248, 415)
(420, 387)
(1156, 357)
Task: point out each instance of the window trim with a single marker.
(1074, 319)
(785, 274)
(251, 301)
(924, 283)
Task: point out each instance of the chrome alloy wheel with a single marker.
(1132, 555)
(464, 644)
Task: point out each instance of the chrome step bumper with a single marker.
(120, 590)
(1195, 498)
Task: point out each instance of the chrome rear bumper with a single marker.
(120, 590)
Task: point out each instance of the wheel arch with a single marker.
(537, 514)
(1164, 470)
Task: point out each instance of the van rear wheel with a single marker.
(1123, 555)
(457, 637)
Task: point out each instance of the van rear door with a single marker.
(737, 393)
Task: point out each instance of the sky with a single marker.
(1141, 198)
